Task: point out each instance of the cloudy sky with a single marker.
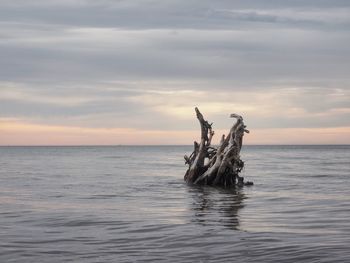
(132, 71)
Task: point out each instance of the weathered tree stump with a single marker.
(217, 166)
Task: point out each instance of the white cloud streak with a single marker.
(125, 64)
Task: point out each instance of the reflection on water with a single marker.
(213, 206)
(72, 204)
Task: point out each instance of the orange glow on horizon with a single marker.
(14, 132)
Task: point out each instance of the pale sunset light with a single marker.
(130, 79)
(178, 131)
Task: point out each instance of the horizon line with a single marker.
(158, 145)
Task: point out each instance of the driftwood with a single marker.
(217, 166)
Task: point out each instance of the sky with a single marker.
(110, 72)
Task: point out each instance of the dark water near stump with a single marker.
(129, 204)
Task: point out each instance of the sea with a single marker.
(130, 204)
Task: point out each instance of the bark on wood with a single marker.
(217, 166)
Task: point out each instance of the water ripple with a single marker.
(87, 204)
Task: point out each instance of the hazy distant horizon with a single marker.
(165, 145)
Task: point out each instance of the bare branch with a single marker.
(224, 163)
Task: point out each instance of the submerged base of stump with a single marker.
(217, 166)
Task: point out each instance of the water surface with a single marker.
(130, 204)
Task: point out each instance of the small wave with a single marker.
(114, 157)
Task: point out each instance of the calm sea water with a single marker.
(130, 204)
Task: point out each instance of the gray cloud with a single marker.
(145, 14)
(90, 53)
(85, 63)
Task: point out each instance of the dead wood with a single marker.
(217, 166)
